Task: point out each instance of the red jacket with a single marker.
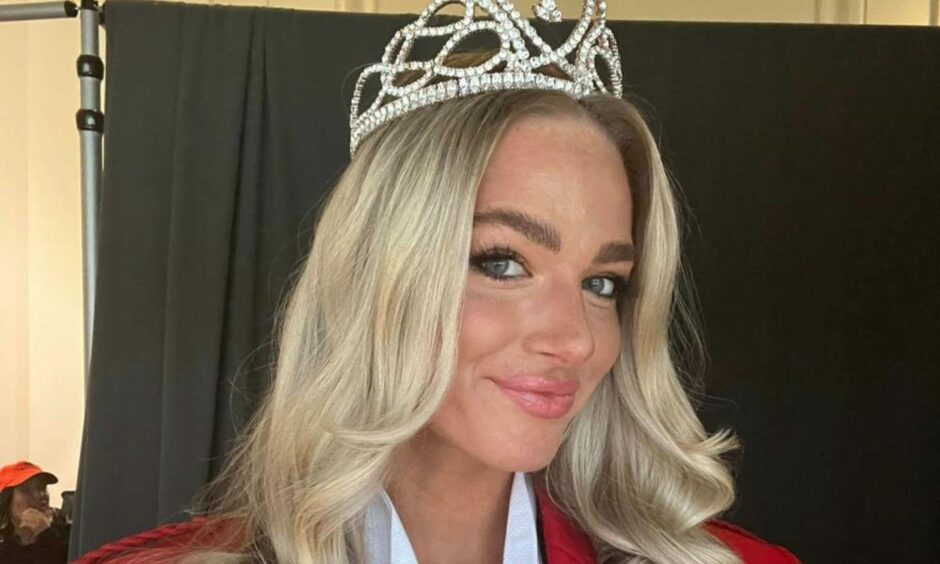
(564, 542)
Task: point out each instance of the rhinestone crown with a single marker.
(512, 67)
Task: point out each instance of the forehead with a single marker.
(559, 168)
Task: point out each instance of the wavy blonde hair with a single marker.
(368, 344)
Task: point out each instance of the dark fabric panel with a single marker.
(172, 157)
(807, 156)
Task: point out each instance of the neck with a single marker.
(440, 493)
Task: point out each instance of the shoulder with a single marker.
(167, 543)
(751, 549)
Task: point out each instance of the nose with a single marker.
(560, 326)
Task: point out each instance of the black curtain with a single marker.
(809, 157)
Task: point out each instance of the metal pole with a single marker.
(37, 11)
(90, 122)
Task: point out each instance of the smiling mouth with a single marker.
(546, 399)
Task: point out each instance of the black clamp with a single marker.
(71, 10)
(89, 5)
(89, 120)
(90, 65)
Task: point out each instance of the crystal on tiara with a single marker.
(546, 10)
(512, 67)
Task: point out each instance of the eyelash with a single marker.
(496, 253)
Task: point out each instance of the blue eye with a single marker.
(497, 263)
(609, 287)
(501, 263)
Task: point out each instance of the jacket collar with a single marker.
(563, 541)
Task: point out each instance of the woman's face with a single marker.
(31, 494)
(551, 251)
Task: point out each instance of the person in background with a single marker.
(31, 532)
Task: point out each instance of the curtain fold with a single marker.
(807, 158)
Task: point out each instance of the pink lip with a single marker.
(541, 397)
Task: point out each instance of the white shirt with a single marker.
(387, 542)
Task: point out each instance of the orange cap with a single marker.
(15, 474)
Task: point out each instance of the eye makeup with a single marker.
(482, 261)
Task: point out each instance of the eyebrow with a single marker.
(615, 252)
(545, 234)
(536, 230)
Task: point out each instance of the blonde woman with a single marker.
(474, 365)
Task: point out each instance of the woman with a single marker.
(475, 365)
(31, 532)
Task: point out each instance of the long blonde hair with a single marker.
(368, 344)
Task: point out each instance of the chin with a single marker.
(519, 462)
(524, 451)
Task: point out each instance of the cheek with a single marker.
(475, 417)
(487, 325)
(18, 503)
(472, 419)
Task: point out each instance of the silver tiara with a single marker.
(512, 67)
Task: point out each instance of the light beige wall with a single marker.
(801, 11)
(324, 5)
(889, 12)
(901, 12)
(898, 12)
(56, 376)
(40, 238)
(14, 393)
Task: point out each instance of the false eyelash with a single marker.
(621, 286)
(493, 254)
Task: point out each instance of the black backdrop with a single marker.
(810, 160)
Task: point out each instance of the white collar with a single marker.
(387, 542)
